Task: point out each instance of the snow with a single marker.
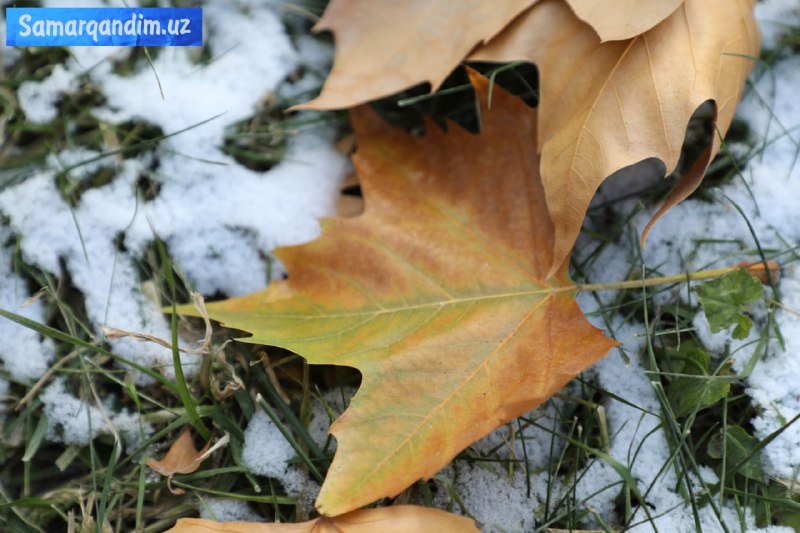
(227, 510)
(38, 99)
(266, 452)
(73, 421)
(207, 200)
(767, 193)
(24, 354)
(775, 18)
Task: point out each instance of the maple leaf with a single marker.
(385, 47)
(394, 519)
(181, 458)
(616, 20)
(604, 106)
(439, 294)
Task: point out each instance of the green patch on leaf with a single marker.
(741, 453)
(697, 388)
(726, 299)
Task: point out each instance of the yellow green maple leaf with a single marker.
(439, 294)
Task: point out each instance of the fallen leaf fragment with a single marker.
(394, 519)
(385, 47)
(617, 20)
(181, 458)
(439, 294)
(605, 106)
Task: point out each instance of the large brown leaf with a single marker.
(440, 295)
(385, 47)
(605, 106)
(394, 519)
(616, 20)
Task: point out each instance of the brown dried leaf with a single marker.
(182, 458)
(385, 47)
(605, 106)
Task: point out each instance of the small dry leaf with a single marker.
(605, 106)
(394, 519)
(182, 458)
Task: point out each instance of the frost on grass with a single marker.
(501, 493)
(266, 452)
(219, 220)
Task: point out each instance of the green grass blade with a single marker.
(55, 334)
(186, 397)
(36, 439)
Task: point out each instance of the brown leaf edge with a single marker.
(392, 519)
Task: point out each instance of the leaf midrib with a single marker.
(547, 291)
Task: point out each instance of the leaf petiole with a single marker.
(755, 269)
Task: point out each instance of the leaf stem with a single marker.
(663, 280)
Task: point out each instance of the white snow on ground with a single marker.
(24, 354)
(73, 421)
(206, 198)
(266, 452)
(228, 510)
(775, 17)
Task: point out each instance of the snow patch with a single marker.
(227, 510)
(266, 452)
(73, 421)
